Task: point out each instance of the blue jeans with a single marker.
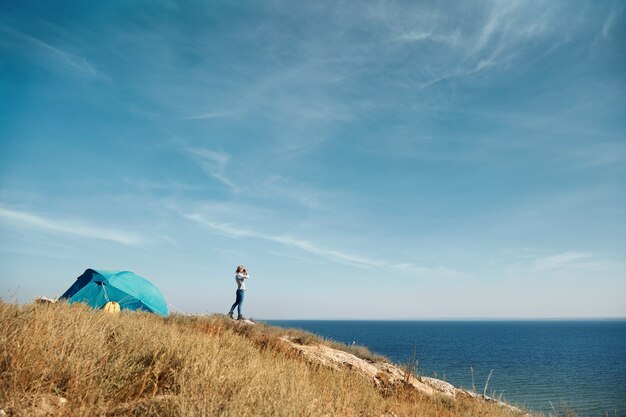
(238, 302)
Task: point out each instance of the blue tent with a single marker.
(132, 292)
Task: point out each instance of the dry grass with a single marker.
(141, 364)
(262, 331)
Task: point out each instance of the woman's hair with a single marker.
(240, 268)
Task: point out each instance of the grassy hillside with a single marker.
(59, 359)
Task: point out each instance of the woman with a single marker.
(241, 274)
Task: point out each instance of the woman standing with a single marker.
(241, 274)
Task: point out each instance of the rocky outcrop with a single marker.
(45, 300)
(244, 322)
(384, 374)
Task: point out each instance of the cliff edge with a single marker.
(386, 375)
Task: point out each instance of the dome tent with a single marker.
(132, 292)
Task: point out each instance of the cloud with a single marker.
(262, 184)
(36, 49)
(460, 72)
(304, 245)
(493, 26)
(28, 220)
(219, 114)
(508, 28)
(530, 262)
(609, 23)
(418, 36)
(213, 163)
(345, 258)
(561, 260)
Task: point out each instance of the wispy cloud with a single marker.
(29, 220)
(42, 52)
(531, 262)
(493, 25)
(460, 72)
(506, 30)
(559, 261)
(213, 163)
(263, 185)
(609, 23)
(579, 261)
(342, 257)
(218, 114)
(419, 36)
(304, 245)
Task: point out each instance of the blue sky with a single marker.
(364, 159)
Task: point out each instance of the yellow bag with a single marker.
(112, 307)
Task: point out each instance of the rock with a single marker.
(379, 372)
(385, 374)
(45, 300)
(441, 386)
(334, 358)
(245, 322)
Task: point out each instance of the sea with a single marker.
(545, 366)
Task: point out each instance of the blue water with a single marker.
(578, 364)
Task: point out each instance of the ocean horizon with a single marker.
(268, 320)
(540, 364)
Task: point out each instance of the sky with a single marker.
(363, 159)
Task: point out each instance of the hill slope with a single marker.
(59, 359)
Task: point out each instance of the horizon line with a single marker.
(620, 318)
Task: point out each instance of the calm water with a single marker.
(581, 364)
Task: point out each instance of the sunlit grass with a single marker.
(142, 364)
